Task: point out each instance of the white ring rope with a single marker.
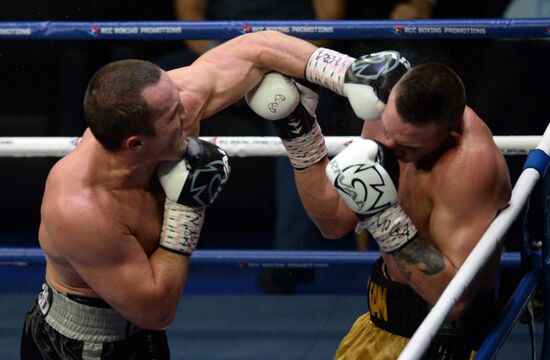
(238, 146)
(475, 261)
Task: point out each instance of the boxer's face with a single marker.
(409, 143)
(169, 116)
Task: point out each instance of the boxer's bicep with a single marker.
(464, 210)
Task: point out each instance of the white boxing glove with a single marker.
(274, 98)
(366, 81)
(365, 174)
(293, 117)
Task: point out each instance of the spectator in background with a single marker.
(528, 9)
(413, 9)
(257, 10)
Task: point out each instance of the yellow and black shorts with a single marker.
(396, 311)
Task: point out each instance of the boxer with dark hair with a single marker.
(122, 212)
(451, 182)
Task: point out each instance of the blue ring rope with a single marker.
(333, 29)
(248, 258)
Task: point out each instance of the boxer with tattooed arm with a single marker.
(426, 211)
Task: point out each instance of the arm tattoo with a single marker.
(429, 260)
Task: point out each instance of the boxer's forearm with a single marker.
(169, 275)
(322, 203)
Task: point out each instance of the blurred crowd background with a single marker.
(42, 85)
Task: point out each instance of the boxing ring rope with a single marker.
(250, 258)
(243, 146)
(333, 29)
(418, 29)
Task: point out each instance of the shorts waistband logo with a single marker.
(44, 299)
(377, 301)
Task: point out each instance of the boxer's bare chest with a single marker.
(142, 213)
(415, 189)
(414, 196)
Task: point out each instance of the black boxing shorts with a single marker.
(398, 309)
(76, 327)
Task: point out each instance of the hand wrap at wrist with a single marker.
(392, 228)
(328, 68)
(181, 228)
(307, 149)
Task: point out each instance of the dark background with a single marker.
(42, 84)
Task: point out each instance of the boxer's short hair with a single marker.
(430, 93)
(114, 107)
